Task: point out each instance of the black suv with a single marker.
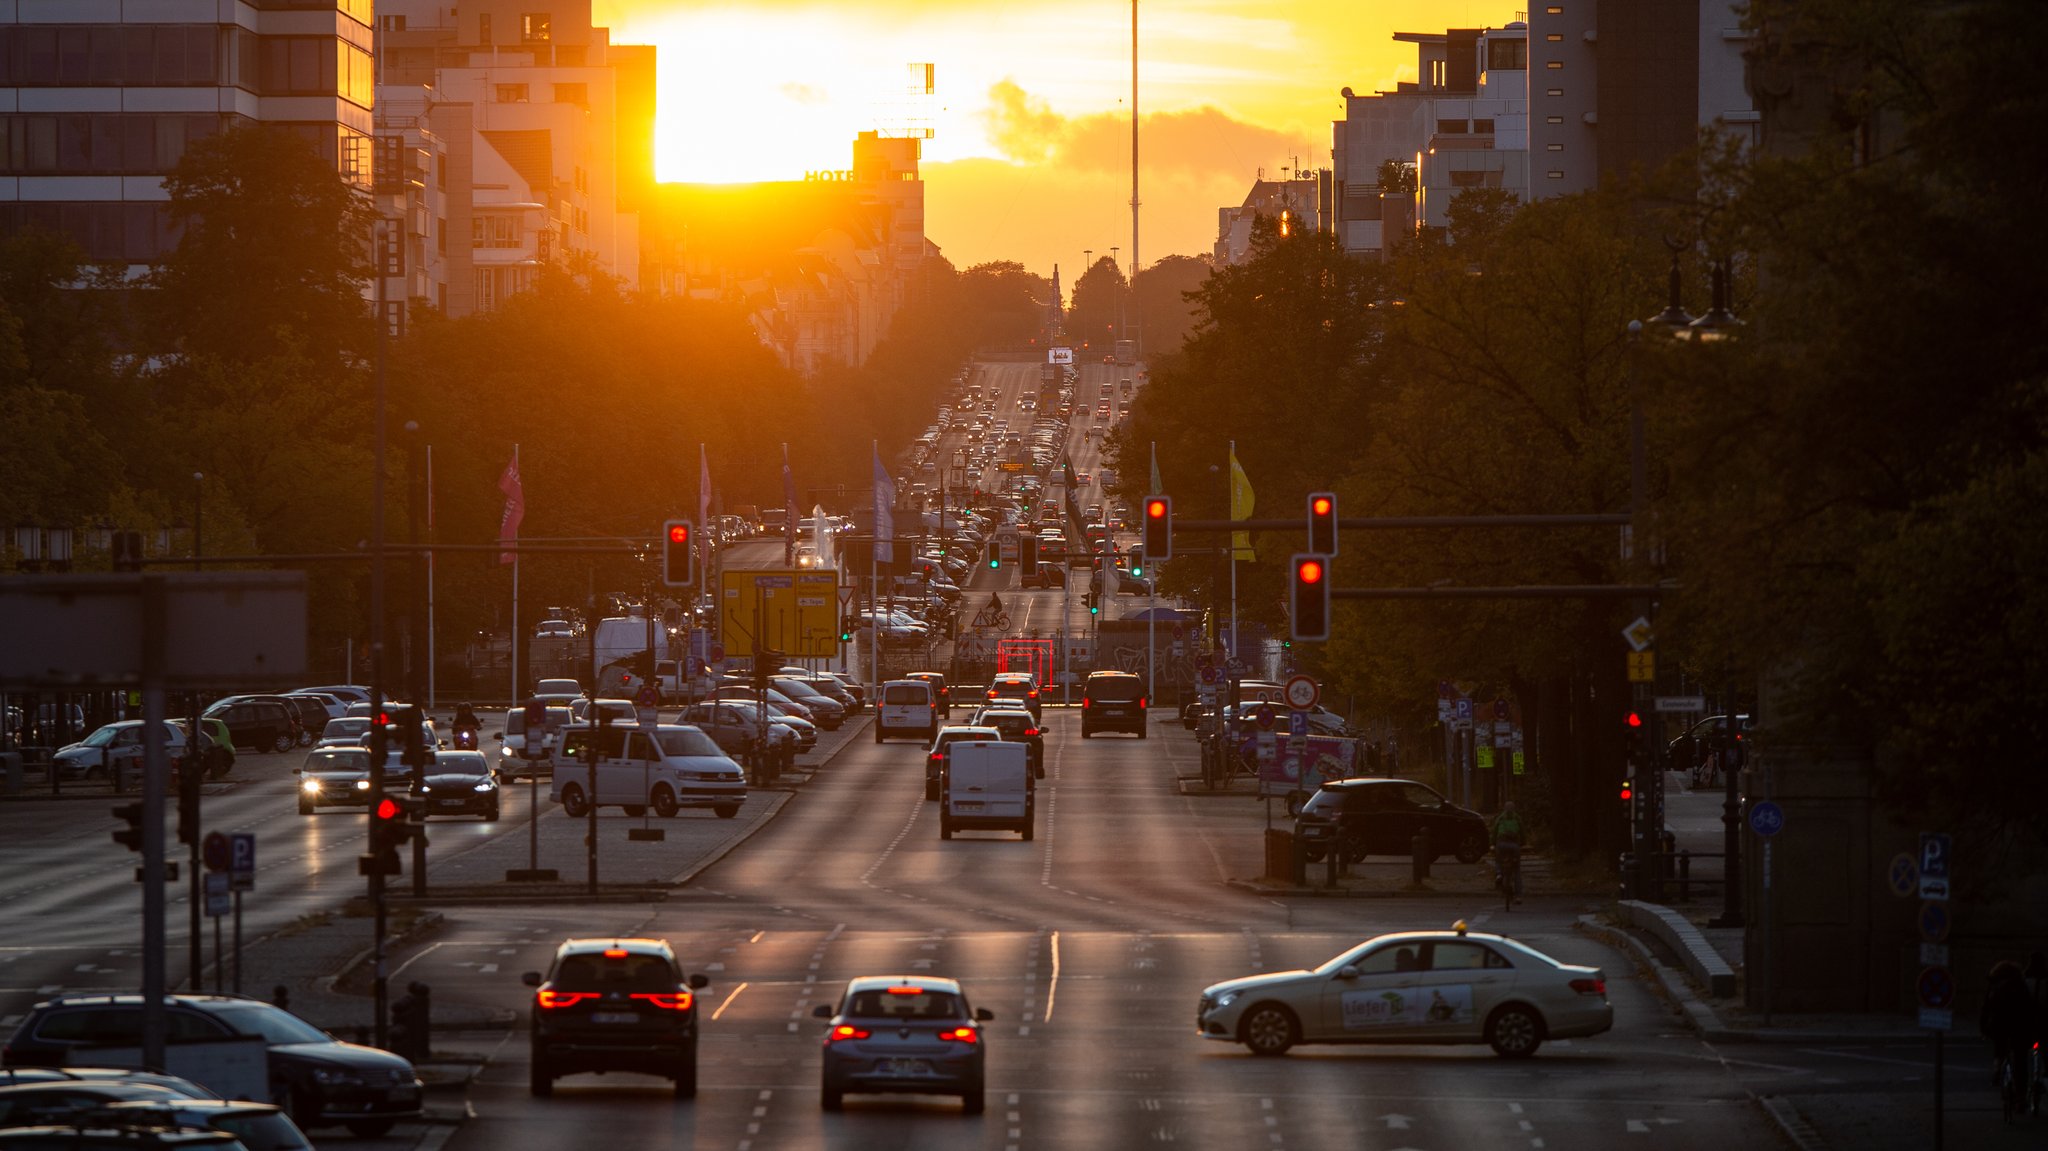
(263, 722)
(1113, 701)
(1381, 816)
(314, 1077)
(615, 1005)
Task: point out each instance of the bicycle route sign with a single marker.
(1302, 693)
(1766, 818)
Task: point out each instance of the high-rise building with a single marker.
(101, 100)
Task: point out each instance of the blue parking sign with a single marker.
(1934, 854)
(1297, 723)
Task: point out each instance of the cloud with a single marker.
(1199, 142)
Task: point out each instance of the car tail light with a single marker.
(549, 1000)
(1086, 703)
(1029, 732)
(961, 1035)
(669, 1000)
(1033, 693)
(844, 1031)
(614, 953)
(906, 991)
(1141, 702)
(1590, 986)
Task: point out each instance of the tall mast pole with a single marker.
(1129, 325)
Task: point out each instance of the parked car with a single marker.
(1362, 817)
(313, 714)
(904, 1033)
(115, 748)
(736, 727)
(257, 1126)
(346, 692)
(317, 1079)
(63, 1101)
(555, 629)
(258, 722)
(1414, 987)
(614, 1005)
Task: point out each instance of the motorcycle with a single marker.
(465, 739)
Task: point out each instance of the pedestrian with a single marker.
(2007, 1016)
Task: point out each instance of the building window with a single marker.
(493, 232)
(1554, 65)
(511, 93)
(1482, 127)
(1553, 91)
(1450, 127)
(1553, 119)
(1554, 37)
(483, 28)
(535, 26)
(394, 23)
(1507, 55)
(577, 94)
(1554, 10)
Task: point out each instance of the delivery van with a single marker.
(987, 786)
(907, 708)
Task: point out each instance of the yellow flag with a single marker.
(1241, 504)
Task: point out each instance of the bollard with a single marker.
(422, 1026)
(1419, 855)
(1685, 875)
(1330, 860)
(400, 1035)
(1630, 876)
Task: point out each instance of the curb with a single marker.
(1678, 933)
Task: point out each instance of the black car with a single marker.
(265, 723)
(615, 1005)
(1017, 687)
(942, 696)
(314, 1077)
(312, 715)
(1017, 726)
(459, 783)
(1364, 817)
(1113, 701)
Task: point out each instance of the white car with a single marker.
(1414, 987)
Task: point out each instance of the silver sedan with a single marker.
(1414, 987)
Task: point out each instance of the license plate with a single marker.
(903, 1067)
(967, 805)
(615, 1017)
(448, 803)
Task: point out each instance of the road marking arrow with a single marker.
(1396, 1122)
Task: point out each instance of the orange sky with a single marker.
(1030, 154)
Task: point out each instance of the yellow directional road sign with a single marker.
(789, 610)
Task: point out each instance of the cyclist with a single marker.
(1507, 846)
(2037, 988)
(2007, 1018)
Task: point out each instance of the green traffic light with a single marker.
(994, 562)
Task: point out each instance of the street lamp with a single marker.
(1718, 323)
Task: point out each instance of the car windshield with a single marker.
(345, 728)
(904, 1003)
(902, 693)
(272, 1023)
(1011, 726)
(1116, 687)
(102, 737)
(259, 1130)
(334, 759)
(691, 742)
(462, 763)
(629, 972)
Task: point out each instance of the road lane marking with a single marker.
(1053, 986)
(728, 1001)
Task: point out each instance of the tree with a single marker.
(273, 253)
(1092, 322)
(1160, 301)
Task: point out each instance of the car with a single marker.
(1362, 817)
(264, 723)
(906, 707)
(1112, 701)
(313, 714)
(614, 1005)
(348, 731)
(513, 761)
(10, 1076)
(117, 747)
(942, 695)
(257, 1126)
(912, 1034)
(334, 705)
(1454, 986)
(315, 1078)
(334, 777)
(935, 756)
(555, 629)
(62, 1101)
(459, 783)
(96, 1134)
(1019, 687)
(1016, 725)
(667, 768)
(345, 692)
(736, 727)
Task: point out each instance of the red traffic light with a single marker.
(1309, 571)
(1628, 790)
(1320, 506)
(679, 533)
(1155, 509)
(387, 808)
(1635, 719)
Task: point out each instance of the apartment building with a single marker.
(99, 98)
(1297, 203)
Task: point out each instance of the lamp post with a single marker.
(1718, 323)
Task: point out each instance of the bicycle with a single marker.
(1508, 873)
(2037, 1078)
(2011, 1093)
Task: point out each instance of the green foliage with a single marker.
(1161, 295)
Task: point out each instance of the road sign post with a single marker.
(241, 877)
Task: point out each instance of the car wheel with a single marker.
(370, 1128)
(305, 807)
(1030, 825)
(1312, 854)
(302, 1109)
(282, 743)
(1085, 732)
(305, 739)
(686, 1074)
(540, 1079)
(635, 809)
(945, 827)
(1515, 1031)
(573, 804)
(665, 802)
(1471, 847)
(1141, 732)
(492, 813)
(726, 811)
(832, 1097)
(974, 1100)
(1269, 1029)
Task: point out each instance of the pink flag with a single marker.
(515, 509)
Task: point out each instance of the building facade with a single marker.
(99, 99)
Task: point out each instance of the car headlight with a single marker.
(335, 1077)
(1226, 999)
(311, 786)
(362, 785)
(424, 789)
(487, 785)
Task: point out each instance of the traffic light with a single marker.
(678, 566)
(1638, 750)
(1158, 533)
(846, 630)
(1138, 564)
(995, 557)
(1628, 790)
(1027, 559)
(390, 829)
(1092, 609)
(412, 740)
(130, 836)
(1322, 523)
(1308, 602)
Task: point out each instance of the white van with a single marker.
(906, 710)
(987, 785)
(666, 768)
